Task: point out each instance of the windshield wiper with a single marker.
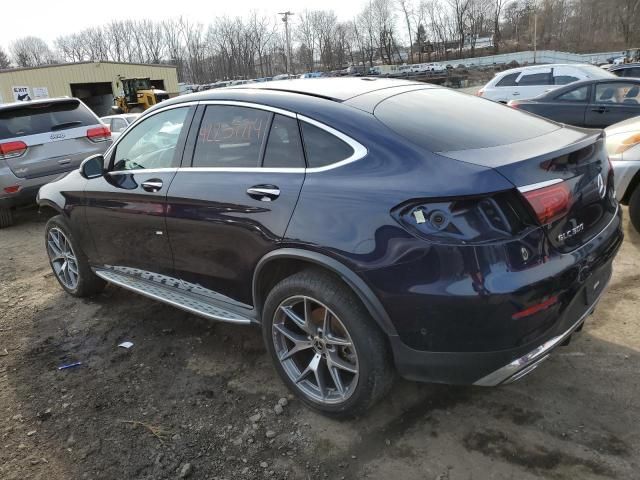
(60, 126)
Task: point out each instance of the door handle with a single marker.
(600, 110)
(152, 185)
(515, 94)
(264, 193)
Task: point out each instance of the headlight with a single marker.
(621, 143)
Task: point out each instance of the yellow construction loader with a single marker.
(137, 95)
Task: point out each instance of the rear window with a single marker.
(43, 118)
(444, 120)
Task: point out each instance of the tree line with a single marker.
(385, 31)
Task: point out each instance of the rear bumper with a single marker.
(496, 366)
(28, 188)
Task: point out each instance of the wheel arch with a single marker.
(280, 263)
(633, 184)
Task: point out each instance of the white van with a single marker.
(529, 82)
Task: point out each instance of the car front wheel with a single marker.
(325, 345)
(68, 262)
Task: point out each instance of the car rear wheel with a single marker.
(6, 217)
(325, 346)
(634, 209)
(69, 263)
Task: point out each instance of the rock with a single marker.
(283, 402)
(71, 441)
(32, 432)
(17, 418)
(270, 434)
(22, 446)
(278, 409)
(264, 464)
(245, 470)
(185, 470)
(4, 352)
(46, 415)
(255, 418)
(387, 442)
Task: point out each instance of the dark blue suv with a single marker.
(368, 225)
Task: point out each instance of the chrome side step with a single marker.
(172, 296)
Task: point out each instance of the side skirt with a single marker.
(177, 293)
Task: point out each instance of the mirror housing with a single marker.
(92, 167)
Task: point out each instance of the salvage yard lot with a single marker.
(196, 399)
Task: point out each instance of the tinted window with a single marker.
(632, 72)
(444, 120)
(575, 95)
(508, 80)
(44, 118)
(231, 137)
(536, 79)
(618, 92)
(323, 148)
(564, 79)
(152, 143)
(284, 148)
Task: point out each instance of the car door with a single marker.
(231, 202)
(613, 102)
(125, 208)
(569, 106)
(531, 83)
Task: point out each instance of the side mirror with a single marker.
(92, 167)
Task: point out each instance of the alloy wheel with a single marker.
(315, 350)
(63, 258)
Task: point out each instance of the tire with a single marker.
(349, 324)
(86, 282)
(634, 209)
(6, 217)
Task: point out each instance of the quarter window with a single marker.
(152, 143)
(564, 79)
(231, 136)
(575, 95)
(284, 148)
(323, 148)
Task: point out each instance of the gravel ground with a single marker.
(196, 399)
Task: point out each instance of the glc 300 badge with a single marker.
(570, 233)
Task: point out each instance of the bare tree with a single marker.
(406, 8)
(30, 52)
(4, 60)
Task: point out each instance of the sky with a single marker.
(48, 20)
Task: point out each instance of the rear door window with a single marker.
(284, 148)
(617, 92)
(231, 137)
(432, 118)
(43, 118)
(533, 79)
(508, 80)
(323, 148)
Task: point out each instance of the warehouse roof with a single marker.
(58, 65)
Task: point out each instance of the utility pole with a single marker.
(285, 19)
(535, 36)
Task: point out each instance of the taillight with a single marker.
(513, 104)
(12, 149)
(99, 134)
(538, 307)
(480, 92)
(550, 202)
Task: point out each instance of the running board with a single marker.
(172, 296)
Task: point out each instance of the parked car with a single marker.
(626, 70)
(623, 146)
(119, 123)
(39, 140)
(321, 212)
(528, 82)
(589, 103)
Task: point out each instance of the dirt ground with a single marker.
(196, 399)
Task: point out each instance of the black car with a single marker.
(367, 225)
(626, 70)
(588, 103)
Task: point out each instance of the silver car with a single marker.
(623, 146)
(119, 123)
(39, 140)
